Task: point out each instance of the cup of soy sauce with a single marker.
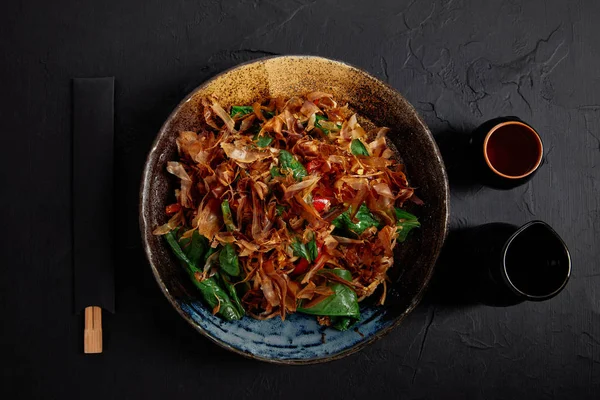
(516, 264)
(507, 152)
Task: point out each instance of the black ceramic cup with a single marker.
(513, 264)
(507, 152)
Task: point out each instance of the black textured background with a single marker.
(459, 62)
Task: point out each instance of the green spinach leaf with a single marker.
(364, 217)
(228, 260)
(230, 288)
(227, 217)
(171, 238)
(342, 323)
(210, 290)
(358, 148)
(239, 111)
(406, 222)
(194, 248)
(213, 295)
(275, 172)
(323, 124)
(308, 250)
(342, 303)
(264, 140)
(288, 161)
(313, 252)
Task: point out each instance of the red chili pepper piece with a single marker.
(301, 267)
(303, 264)
(321, 203)
(173, 208)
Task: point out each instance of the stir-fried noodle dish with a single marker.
(285, 206)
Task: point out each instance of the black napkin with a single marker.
(93, 137)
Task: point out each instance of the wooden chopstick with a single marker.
(92, 333)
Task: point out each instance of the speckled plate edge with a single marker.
(144, 193)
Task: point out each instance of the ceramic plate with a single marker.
(299, 339)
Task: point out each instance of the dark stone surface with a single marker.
(459, 62)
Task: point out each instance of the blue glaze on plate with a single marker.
(297, 338)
